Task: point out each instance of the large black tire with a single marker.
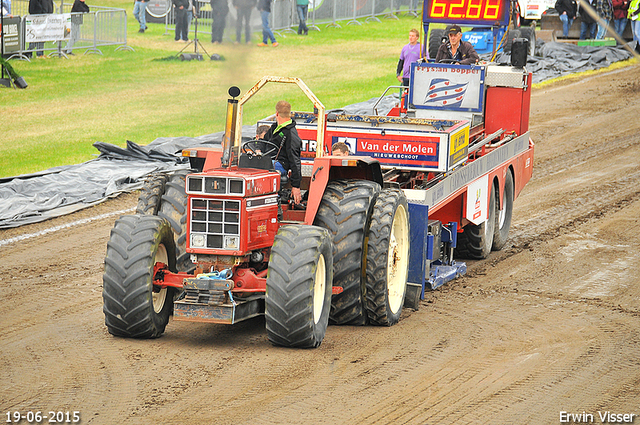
(173, 208)
(503, 216)
(345, 211)
(476, 240)
(508, 43)
(133, 307)
(435, 40)
(298, 297)
(151, 194)
(387, 257)
(530, 34)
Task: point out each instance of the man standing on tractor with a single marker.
(283, 133)
(409, 54)
(456, 50)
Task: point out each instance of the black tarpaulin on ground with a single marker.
(554, 59)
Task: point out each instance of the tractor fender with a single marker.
(328, 168)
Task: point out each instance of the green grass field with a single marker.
(132, 95)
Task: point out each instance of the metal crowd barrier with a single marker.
(284, 15)
(102, 26)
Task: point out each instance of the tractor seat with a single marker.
(284, 180)
(259, 162)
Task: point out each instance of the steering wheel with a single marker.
(249, 147)
(447, 61)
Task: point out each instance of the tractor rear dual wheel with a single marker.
(165, 196)
(298, 295)
(387, 264)
(132, 305)
(151, 194)
(345, 211)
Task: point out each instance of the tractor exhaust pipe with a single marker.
(230, 129)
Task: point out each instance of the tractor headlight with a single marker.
(231, 242)
(198, 241)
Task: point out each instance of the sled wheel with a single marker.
(345, 211)
(476, 240)
(503, 216)
(387, 257)
(298, 297)
(173, 208)
(133, 306)
(150, 195)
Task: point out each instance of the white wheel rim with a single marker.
(160, 297)
(319, 286)
(398, 259)
(502, 214)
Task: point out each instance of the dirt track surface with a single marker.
(550, 324)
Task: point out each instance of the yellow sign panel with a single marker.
(459, 146)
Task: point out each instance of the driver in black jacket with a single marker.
(283, 133)
(456, 49)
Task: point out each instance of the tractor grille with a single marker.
(215, 224)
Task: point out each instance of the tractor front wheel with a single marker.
(150, 195)
(132, 305)
(298, 297)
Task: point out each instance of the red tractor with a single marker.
(221, 244)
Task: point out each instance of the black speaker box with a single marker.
(519, 52)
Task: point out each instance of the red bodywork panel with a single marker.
(257, 210)
(508, 108)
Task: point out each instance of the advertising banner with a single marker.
(11, 34)
(447, 87)
(477, 196)
(41, 28)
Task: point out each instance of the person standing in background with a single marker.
(6, 8)
(620, 9)
(303, 7)
(79, 7)
(634, 16)
(588, 24)
(140, 13)
(264, 6)
(243, 8)
(605, 14)
(220, 10)
(181, 17)
(567, 10)
(39, 7)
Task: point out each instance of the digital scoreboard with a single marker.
(467, 12)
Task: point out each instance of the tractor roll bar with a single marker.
(286, 80)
